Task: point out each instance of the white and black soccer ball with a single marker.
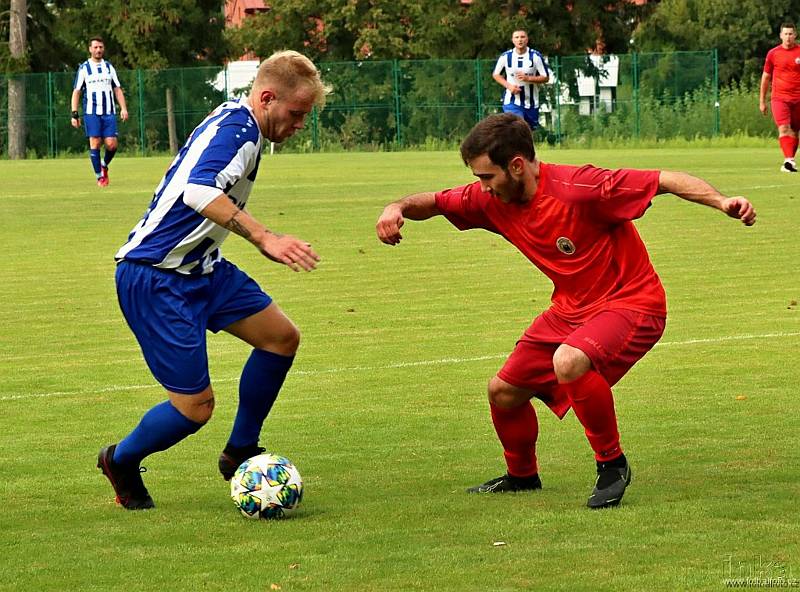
(267, 486)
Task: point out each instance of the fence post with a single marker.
(479, 91)
(716, 92)
(51, 124)
(637, 113)
(397, 118)
(315, 128)
(140, 85)
(558, 98)
(183, 103)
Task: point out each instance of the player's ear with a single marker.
(516, 164)
(266, 97)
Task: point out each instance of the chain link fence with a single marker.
(395, 104)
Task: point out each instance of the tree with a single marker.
(483, 29)
(145, 34)
(151, 34)
(45, 49)
(17, 47)
(741, 30)
(404, 29)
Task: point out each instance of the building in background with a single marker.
(236, 11)
(239, 74)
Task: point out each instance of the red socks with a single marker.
(518, 430)
(594, 406)
(788, 146)
(593, 403)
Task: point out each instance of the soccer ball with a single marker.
(267, 486)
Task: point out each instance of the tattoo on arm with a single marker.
(236, 227)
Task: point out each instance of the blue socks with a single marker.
(108, 156)
(261, 380)
(164, 426)
(94, 156)
(161, 427)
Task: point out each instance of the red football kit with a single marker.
(577, 230)
(607, 300)
(783, 65)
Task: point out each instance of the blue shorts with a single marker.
(531, 116)
(100, 126)
(169, 313)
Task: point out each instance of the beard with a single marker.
(514, 192)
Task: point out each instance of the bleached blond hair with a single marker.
(291, 70)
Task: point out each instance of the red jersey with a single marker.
(577, 230)
(784, 67)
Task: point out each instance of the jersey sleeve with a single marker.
(769, 65)
(80, 78)
(226, 158)
(500, 65)
(114, 80)
(464, 207)
(614, 195)
(539, 65)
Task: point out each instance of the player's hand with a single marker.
(740, 208)
(389, 225)
(514, 89)
(76, 122)
(762, 106)
(289, 250)
(123, 115)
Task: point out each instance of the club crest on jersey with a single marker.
(565, 245)
(797, 61)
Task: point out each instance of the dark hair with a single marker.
(788, 26)
(501, 137)
(100, 39)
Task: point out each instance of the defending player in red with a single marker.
(782, 67)
(608, 306)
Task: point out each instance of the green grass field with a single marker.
(385, 411)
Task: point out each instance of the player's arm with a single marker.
(537, 79)
(762, 92)
(541, 75)
(501, 80)
(699, 191)
(73, 107)
(419, 206)
(281, 248)
(123, 106)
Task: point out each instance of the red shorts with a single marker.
(614, 340)
(786, 112)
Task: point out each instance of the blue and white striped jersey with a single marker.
(531, 62)
(222, 152)
(98, 80)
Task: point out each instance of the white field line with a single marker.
(732, 191)
(438, 362)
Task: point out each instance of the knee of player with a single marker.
(204, 411)
(293, 338)
(197, 408)
(201, 411)
(570, 363)
(288, 341)
(499, 395)
(284, 342)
